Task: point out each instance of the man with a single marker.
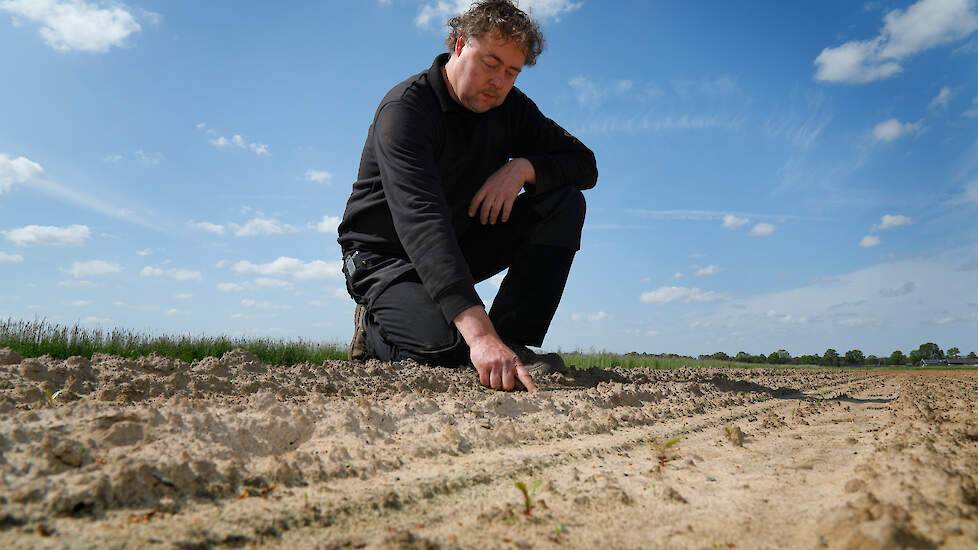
(437, 206)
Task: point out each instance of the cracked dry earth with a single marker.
(231, 453)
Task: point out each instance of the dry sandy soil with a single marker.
(231, 453)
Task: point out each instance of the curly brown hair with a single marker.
(486, 16)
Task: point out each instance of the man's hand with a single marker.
(498, 366)
(494, 200)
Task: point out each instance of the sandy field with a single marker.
(231, 453)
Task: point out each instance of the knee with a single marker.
(573, 207)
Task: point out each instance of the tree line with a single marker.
(853, 357)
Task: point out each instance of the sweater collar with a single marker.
(440, 87)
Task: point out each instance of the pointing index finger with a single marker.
(525, 378)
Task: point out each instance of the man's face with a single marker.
(485, 70)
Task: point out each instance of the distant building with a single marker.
(963, 362)
(933, 362)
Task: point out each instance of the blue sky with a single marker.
(772, 174)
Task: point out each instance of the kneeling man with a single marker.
(461, 177)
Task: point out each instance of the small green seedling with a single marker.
(51, 397)
(663, 449)
(527, 493)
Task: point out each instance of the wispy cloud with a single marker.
(328, 224)
(46, 235)
(922, 26)
(68, 25)
(708, 270)
(889, 221)
(10, 258)
(762, 230)
(669, 294)
(236, 141)
(941, 100)
(91, 268)
(599, 316)
(293, 268)
(732, 222)
(262, 226)
(892, 129)
(177, 274)
(439, 12)
(210, 227)
(17, 170)
(869, 241)
(318, 176)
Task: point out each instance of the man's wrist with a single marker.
(475, 327)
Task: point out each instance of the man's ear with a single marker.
(459, 44)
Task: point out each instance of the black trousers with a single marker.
(537, 244)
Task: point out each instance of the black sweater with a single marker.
(425, 158)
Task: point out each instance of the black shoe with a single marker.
(358, 346)
(538, 363)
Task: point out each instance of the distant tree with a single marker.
(742, 357)
(830, 358)
(871, 360)
(972, 355)
(808, 359)
(929, 350)
(855, 357)
(720, 356)
(898, 358)
(780, 357)
(953, 353)
(759, 358)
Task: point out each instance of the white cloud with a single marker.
(45, 235)
(92, 268)
(176, 313)
(231, 287)
(589, 316)
(327, 225)
(941, 100)
(75, 284)
(207, 226)
(18, 170)
(709, 270)
(173, 273)
(892, 220)
(239, 142)
(183, 296)
(294, 268)
(75, 24)
(144, 252)
(859, 322)
(970, 193)
(150, 158)
(269, 282)
(892, 129)
(869, 241)
(261, 226)
(732, 222)
(112, 159)
(762, 230)
(93, 320)
(318, 176)
(677, 275)
(652, 333)
(922, 26)
(81, 303)
(263, 305)
(945, 321)
(971, 113)
(668, 294)
(10, 258)
(439, 12)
